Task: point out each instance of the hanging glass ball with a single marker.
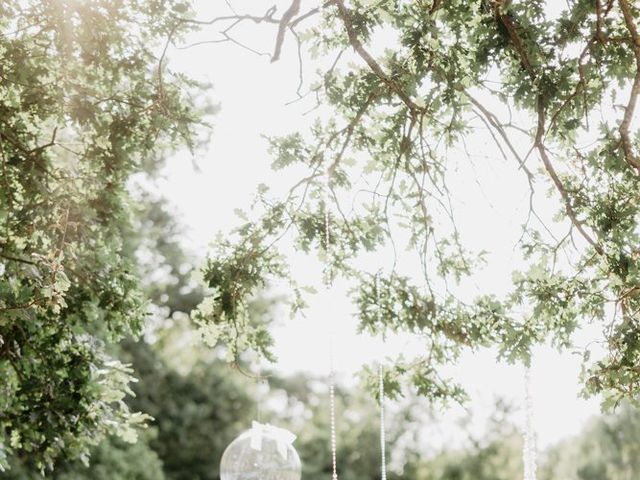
(264, 452)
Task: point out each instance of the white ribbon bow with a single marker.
(283, 438)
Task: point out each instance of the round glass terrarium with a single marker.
(264, 452)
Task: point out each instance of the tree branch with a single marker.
(287, 16)
(548, 165)
(16, 259)
(540, 132)
(355, 42)
(509, 25)
(493, 121)
(627, 144)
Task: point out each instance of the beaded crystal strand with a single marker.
(383, 440)
(332, 393)
(529, 452)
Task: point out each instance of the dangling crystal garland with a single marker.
(530, 451)
(332, 395)
(332, 408)
(383, 440)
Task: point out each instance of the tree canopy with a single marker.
(405, 84)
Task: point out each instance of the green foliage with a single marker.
(391, 127)
(240, 272)
(85, 102)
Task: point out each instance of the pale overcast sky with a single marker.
(252, 93)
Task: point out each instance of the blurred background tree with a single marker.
(496, 454)
(607, 449)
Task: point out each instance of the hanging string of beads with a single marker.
(529, 453)
(332, 394)
(383, 440)
(332, 413)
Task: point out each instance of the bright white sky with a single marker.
(252, 94)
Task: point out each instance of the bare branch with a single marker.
(548, 165)
(493, 121)
(300, 66)
(267, 18)
(291, 12)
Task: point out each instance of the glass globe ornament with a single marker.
(263, 452)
